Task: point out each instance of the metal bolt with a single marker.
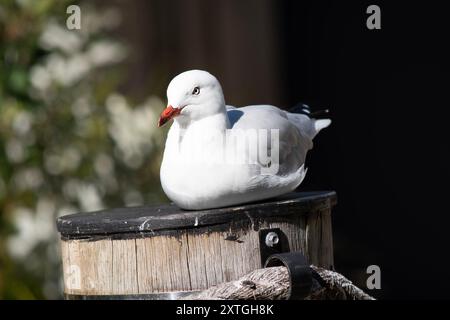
(272, 239)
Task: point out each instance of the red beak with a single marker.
(167, 114)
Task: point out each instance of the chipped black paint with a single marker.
(142, 222)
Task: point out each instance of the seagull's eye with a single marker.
(196, 91)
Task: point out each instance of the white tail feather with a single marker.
(321, 124)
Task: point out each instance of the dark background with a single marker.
(386, 153)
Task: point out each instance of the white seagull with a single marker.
(218, 155)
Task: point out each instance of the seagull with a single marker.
(218, 155)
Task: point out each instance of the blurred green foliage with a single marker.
(69, 141)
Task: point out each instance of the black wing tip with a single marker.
(303, 108)
(320, 113)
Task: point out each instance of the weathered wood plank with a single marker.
(313, 238)
(238, 256)
(326, 242)
(212, 263)
(124, 268)
(162, 264)
(90, 267)
(295, 233)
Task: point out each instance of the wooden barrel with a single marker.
(163, 252)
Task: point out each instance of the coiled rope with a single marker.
(273, 284)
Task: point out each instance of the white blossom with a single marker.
(132, 129)
(32, 227)
(29, 178)
(40, 78)
(15, 150)
(22, 123)
(89, 197)
(66, 160)
(56, 36)
(105, 52)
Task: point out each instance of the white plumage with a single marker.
(209, 158)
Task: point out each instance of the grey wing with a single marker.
(292, 144)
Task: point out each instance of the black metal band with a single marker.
(175, 295)
(300, 274)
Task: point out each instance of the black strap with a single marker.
(300, 274)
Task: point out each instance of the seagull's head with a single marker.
(191, 96)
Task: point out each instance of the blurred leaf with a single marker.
(18, 81)
(42, 6)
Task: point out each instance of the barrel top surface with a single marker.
(169, 217)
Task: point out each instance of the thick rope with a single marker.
(337, 287)
(273, 284)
